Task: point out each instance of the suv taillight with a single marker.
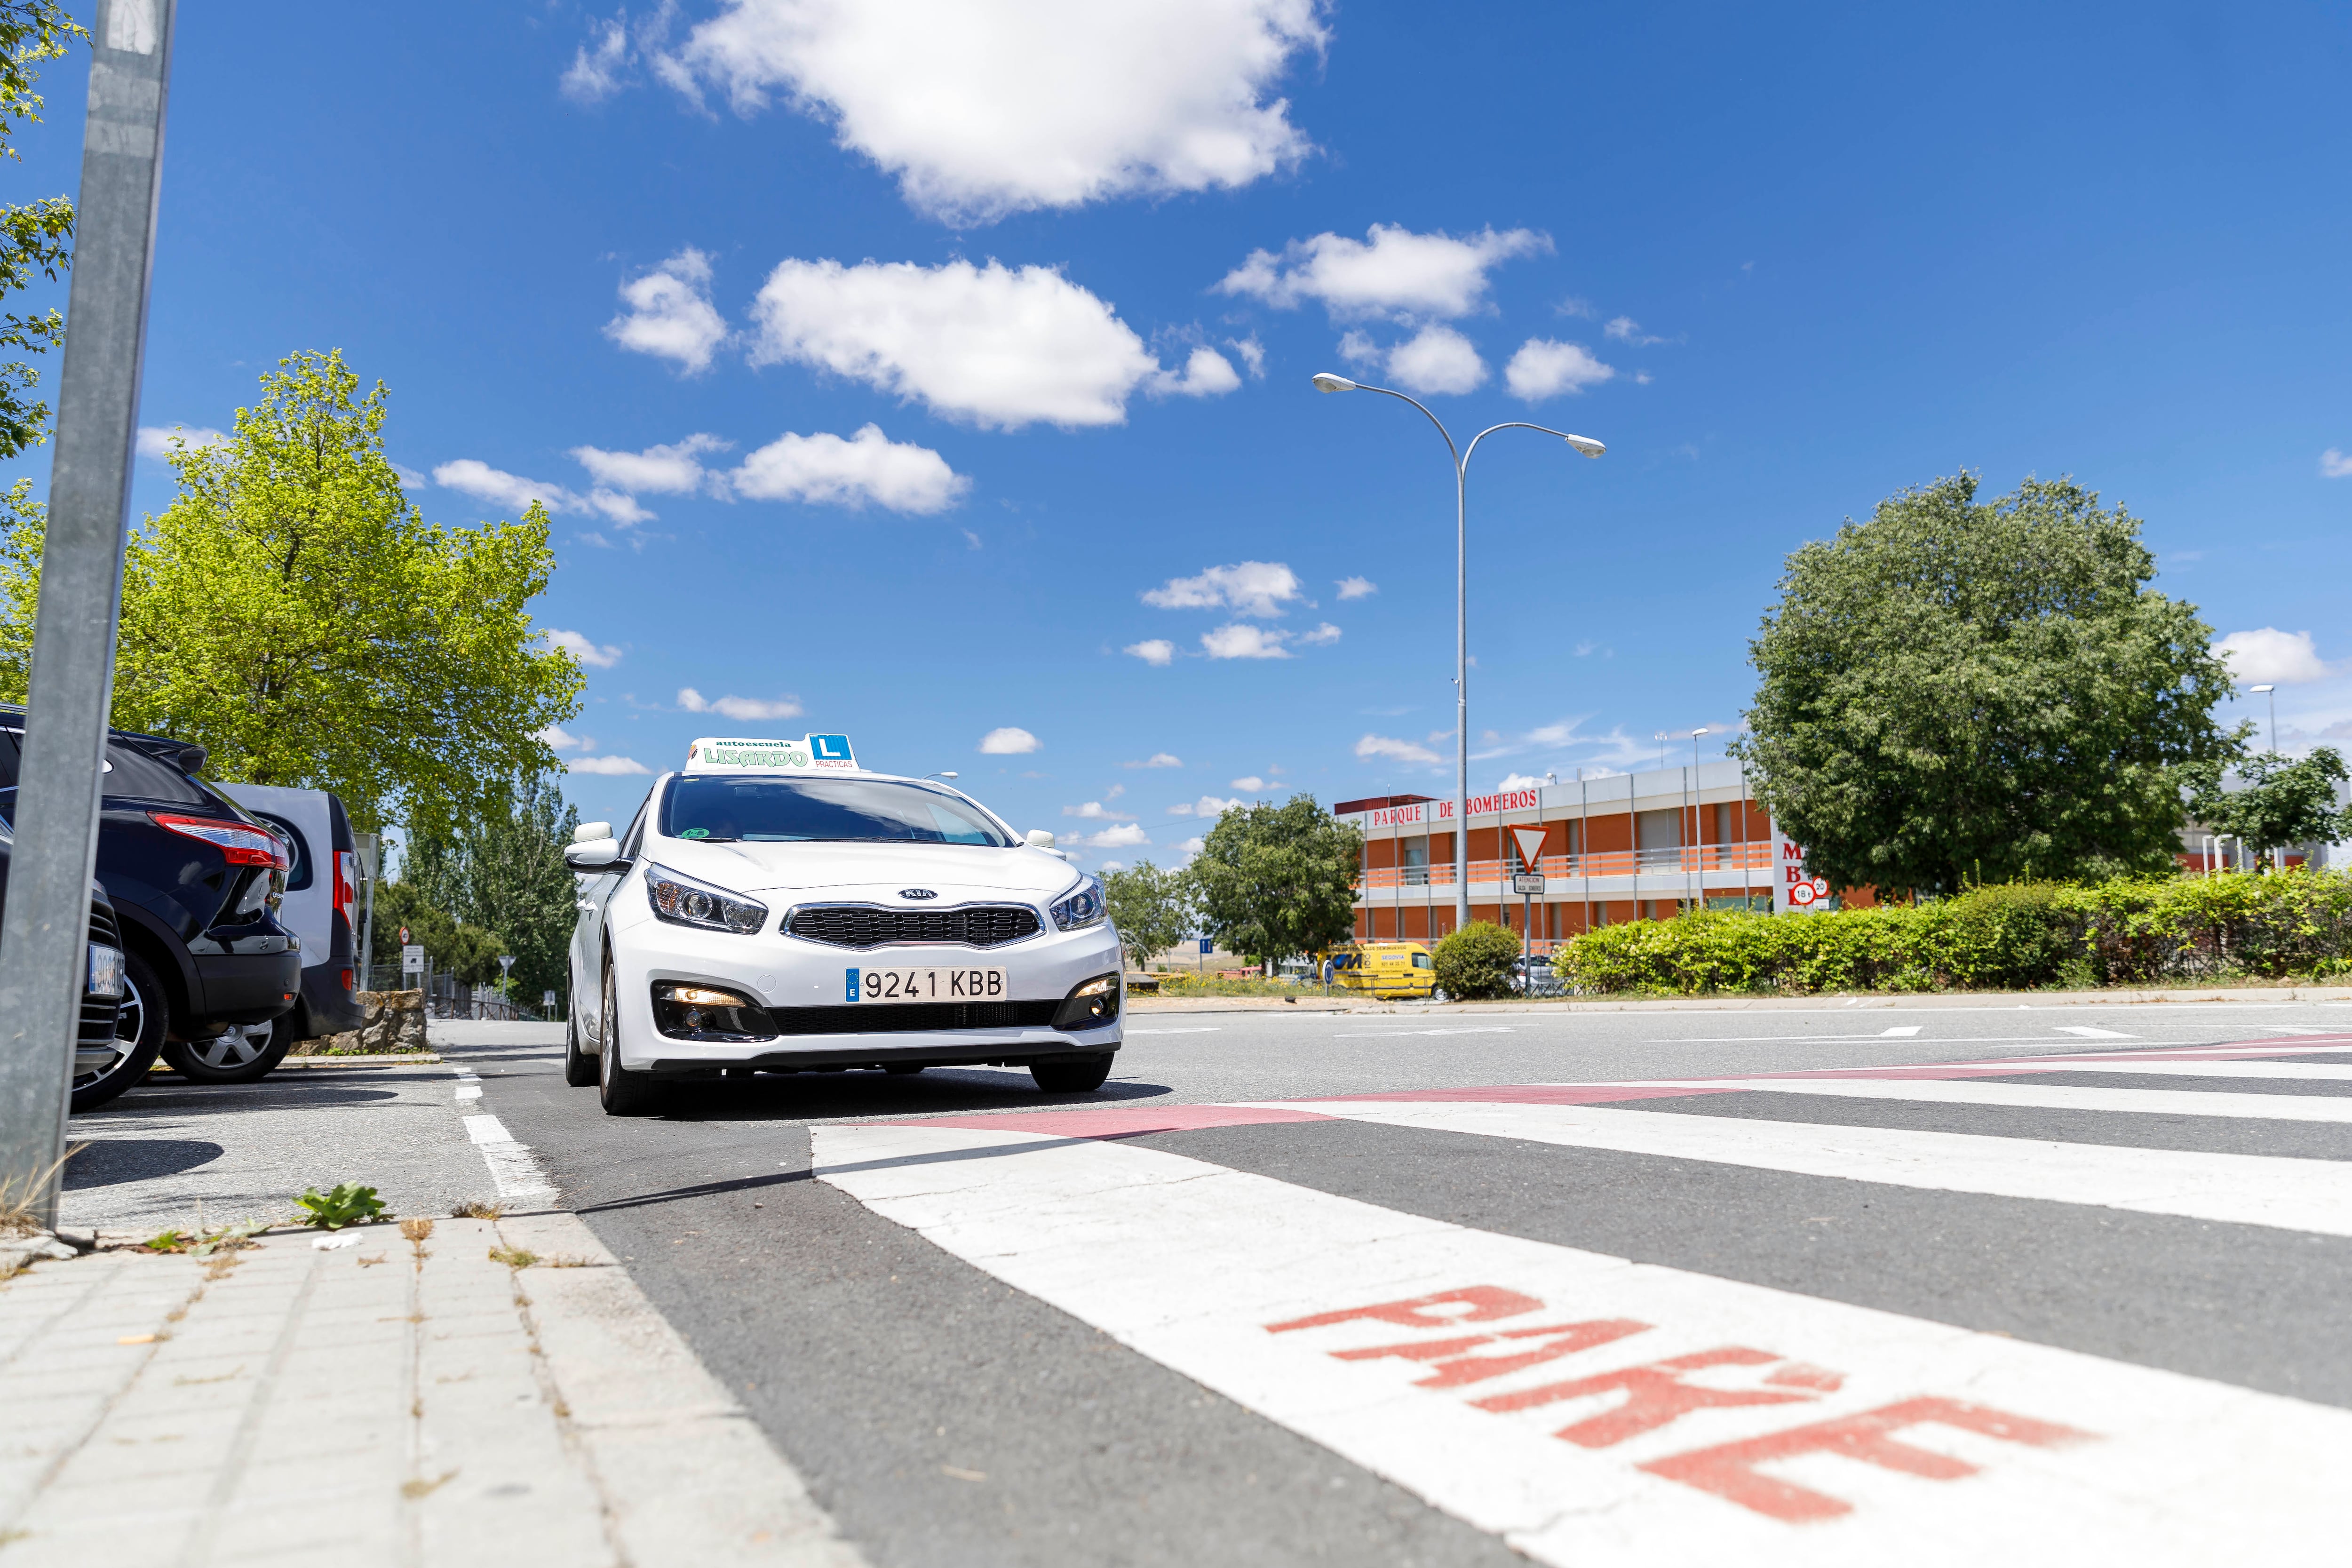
(242, 843)
(347, 896)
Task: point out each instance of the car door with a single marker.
(592, 892)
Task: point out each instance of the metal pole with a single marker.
(44, 939)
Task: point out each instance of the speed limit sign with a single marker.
(1806, 894)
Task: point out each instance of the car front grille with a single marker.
(908, 1017)
(102, 927)
(97, 1012)
(979, 925)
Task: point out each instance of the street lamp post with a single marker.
(1584, 446)
(1699, 896)
(2271, 692)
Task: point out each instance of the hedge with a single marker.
(1473, 964)
(2010, 937)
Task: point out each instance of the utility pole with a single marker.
(44, 939)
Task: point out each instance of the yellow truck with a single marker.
(1385, 969)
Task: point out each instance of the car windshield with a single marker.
(718, 809)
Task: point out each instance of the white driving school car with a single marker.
(776, 908)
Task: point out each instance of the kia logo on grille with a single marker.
(917, 893)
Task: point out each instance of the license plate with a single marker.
(928, 985)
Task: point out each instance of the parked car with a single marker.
(104, 1063)
(194, 882)
(321, 906)
(1535, 977)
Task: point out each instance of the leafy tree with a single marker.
(1955, 691)
(292, 611)
(1278, 880)
(2278, 801)
(36, 236)
(1151, 908)
(1474, 963)
(465, 951)
(505, 873)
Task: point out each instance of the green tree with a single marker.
(2277, 802)
(452, 946)
(1151, 908)
(1278, 880)
(292, 611)
(1958, 691)
(1473, 963)
(504, 872)
(36, 236)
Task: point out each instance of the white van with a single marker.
(321, 907)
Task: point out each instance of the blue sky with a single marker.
(1074, 264)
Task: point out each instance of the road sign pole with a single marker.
(45, 936)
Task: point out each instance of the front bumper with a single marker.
(804, 980)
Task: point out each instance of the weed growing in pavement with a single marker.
(348, 1203)
(513, 1257)
(20, 1195)
(204, 1241)
(474, 1208)
(416, 1229)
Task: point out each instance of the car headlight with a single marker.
(1081, 907)
(683, 902)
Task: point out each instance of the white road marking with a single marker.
(2235, 1189)
(1209, 1030)
(2313, 1072)
(2056, 1096)
(513, 1167)
(469, 1092)
(2090, 1034)
(1900, 1031)
(1411, 1034)
(1601, 1412)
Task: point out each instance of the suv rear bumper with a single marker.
(246, 988)
(330, 1006)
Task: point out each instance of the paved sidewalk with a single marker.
(377, 1401)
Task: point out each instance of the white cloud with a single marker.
(483, 483)
(1252, 354)
(670, 314)
(1251, 587)
(1518, 780)
(1240, 640)
(1358, 348)
(1095, 811)
(1357, 587)
(1207, 374)
(2333, 464)
(621, 509)
(556, 740)
(1192, 847)
(1115, 791)
(1626, 329)
(606, 765)
(825, 469)
(1157, 760)
(410, 479)
(1322, 635)
(581, 648)
(999, 347)
(1437, 360)
(1125, 836)
(1154, 651)
(674, 469)
(598, 65)
(1008, 741)
(982, 108)
(1251, 782)
(1395, 750)
(2269, 656)
(157, 443)
(1207, 805)
(1394, 272)
(743, 708)
(1546, 368)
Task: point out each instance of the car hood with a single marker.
(956, 872)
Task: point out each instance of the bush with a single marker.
(2010, 937)
(1474, 963)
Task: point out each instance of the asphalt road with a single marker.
(953, 1404)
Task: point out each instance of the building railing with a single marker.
(1756, 855)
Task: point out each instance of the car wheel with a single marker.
(239, 1054)
(1072, 1075)
(579, 1067)
(624, 1093)
(138, 1038)
(902, 1069)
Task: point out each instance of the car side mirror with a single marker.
(1038, 838)
(589, 832)
(595, 856)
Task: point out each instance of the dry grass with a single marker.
(20, 1196)
(474, 1208)
(513, 1257)
(416, 1229)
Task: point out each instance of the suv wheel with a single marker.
(138, 1036)
(624, 1093)
(579, 1067)
(1072, 1075)
(240, 1053)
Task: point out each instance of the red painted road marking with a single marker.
(1455, 1368)
(1486, 1303)
(1728, 1470)
(1534, 1094)
(1117, 1122)
(1656, 1394)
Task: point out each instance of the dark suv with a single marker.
(194, 884)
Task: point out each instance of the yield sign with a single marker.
(1530, 842)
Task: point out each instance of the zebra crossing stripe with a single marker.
(1597, 1412)
(2236, 1189)
(2056, 1096)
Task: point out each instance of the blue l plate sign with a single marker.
(829, 748)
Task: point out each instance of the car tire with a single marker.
(137, 1029)
(622, 1092)
(902, 1069)
(579, 1067)
(241, 1054)
(1072, 1075)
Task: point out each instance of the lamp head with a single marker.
(1585, 444)
(1325, 382)
(2262, 688)
(1702, 730)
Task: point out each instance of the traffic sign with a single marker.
(403, 936)
(412, 958)
(1530, 842)
(1529, 884)
(547, 998)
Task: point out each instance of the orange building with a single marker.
(1630, 847)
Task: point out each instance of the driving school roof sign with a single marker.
(809, 754)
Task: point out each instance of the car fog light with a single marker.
(1090, 1004)
(706, 1013)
